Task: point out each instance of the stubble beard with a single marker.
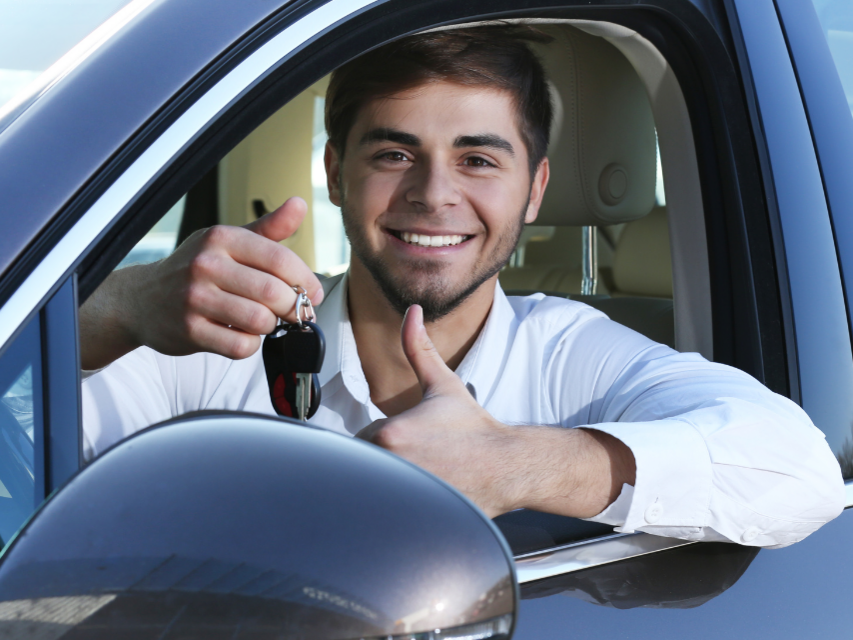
(426, 282)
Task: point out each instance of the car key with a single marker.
(293, 356)
(304, 348)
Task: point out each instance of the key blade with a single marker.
(303, 395)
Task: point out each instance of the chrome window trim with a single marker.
(593, 553)
(590, 553)
(119, 195)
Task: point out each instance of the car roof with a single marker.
(51, 149)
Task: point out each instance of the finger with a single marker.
(282, 223)
(258, 252)
(279, 225)
(433, 374)
(258, 286)
(231, 310)
(225, 341)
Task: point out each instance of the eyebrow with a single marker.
(385, 134)
(489, 140)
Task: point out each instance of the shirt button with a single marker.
(653, 513)
(750, 534)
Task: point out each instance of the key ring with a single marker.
(303, 302)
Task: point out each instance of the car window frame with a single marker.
(821, 358)
(121, 203)
(57, 441)
(830, 120)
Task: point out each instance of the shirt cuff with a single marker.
(674, 477)
(617, 512)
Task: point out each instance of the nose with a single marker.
(433, 188)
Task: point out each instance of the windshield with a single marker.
(36, 33)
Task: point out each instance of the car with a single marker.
(171, 116)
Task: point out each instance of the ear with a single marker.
(333, 174)
(537, 190)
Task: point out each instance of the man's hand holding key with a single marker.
(221, 290)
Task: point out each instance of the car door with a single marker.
(228, 66)
(802, 127)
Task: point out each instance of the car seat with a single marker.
(603, 174)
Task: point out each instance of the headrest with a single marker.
(602, 151)
(642, 264)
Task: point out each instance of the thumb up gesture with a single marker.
(447, 433)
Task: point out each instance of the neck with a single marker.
(376, 326)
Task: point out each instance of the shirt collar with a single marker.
(341, 364)
(479, 369)
(482, 365)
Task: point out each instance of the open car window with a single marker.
(282, 156)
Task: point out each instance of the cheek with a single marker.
(498, 207)
(372, 194)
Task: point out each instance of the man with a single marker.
(436, 157)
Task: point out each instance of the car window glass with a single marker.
(21, 430)
(160, 241)
(836, 19)
(36, 33)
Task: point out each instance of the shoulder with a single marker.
(566, 327)
(549, 311)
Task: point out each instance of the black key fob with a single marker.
(288, 351)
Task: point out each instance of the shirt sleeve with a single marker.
(143, 388)
(719, 456)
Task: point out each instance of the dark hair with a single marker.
(495, 56)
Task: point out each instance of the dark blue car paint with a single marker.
(829, 119)
(819, 319)
(799, 592)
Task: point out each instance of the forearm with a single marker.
(571, 472)
(104, 333)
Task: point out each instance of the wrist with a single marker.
(526, 460)
(106, 320)
(572, 472)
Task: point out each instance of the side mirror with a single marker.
(243, 526)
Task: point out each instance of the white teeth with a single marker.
(430, 241)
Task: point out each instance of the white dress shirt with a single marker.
(718, 455)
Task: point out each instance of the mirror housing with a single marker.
(221, 522)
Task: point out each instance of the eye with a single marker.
(477, 161)
(393, 156)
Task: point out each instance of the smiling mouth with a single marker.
(423, 240)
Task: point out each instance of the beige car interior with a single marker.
(603, 161)
(600, 237)
(272, 164)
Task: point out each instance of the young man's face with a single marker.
(435, 187)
